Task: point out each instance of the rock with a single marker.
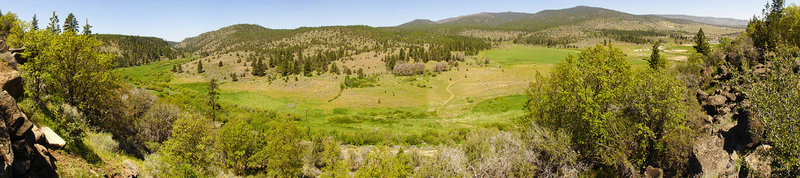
(716, 100)
(701, 95)
(709, 119)
(710, 155)
(15, 120)
(733, 169)
(3, 46)
(134, 171)
(29, 158)
(52, 138)
(757, 163)
(652, 172)
(11, 81)
(729, 95)
(38, 135)
(724, 110)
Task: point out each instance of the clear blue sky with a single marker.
(175, 20)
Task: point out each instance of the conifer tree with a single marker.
(656, 61)
(71, 24)
(213, 98)
(87, 28)
(334, 69)
(701, 45)
(35, 23)
(220, 64)
(53, 27)
(200, 66)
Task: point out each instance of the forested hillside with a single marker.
(137, 50)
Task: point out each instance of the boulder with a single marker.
(716, 100)
(758, 164)
(712, 159)
(52, 138)
(11, 81)
(701, 95)
(652, 172)
(708, 119)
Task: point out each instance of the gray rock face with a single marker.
(712, 159)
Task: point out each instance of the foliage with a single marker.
(616, 117)
(657, 62)
(8, 22)
(213, 99)
(383, 163)
(187, 152)
(766, 31)
(701, 43)
(155, 125)
(775, 101)
(280, 152)
(236, 143)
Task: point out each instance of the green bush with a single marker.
(188, 152)
(383, 163)
(775, 104)
(617, 117)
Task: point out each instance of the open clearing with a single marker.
(399, 108)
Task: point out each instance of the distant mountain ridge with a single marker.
(708, 20)
(572, 27)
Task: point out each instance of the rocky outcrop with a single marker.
(28, 158)
(727, 131)
(20, 140)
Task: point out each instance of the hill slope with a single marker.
(568, 26)
(709, 20)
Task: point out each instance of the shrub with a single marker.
(617, 118)
(382, 163)
(236, 142)
(447, 162)
(408, 69)
(188, 151)
(775, 102)
(280, 154)
(156, 124)
(441, 67)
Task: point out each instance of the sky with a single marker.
(175, 20)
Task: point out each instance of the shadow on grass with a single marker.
(79, 148)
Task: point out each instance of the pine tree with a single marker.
(35, 23)
(174, 69)
(701, 45)
(334, 69)
(656, 61)
(234, 77)
(87, 28)
(213, 98)
(200, 66)
(53, 26)
(71, 24)
(220, 63)
(180, 69)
